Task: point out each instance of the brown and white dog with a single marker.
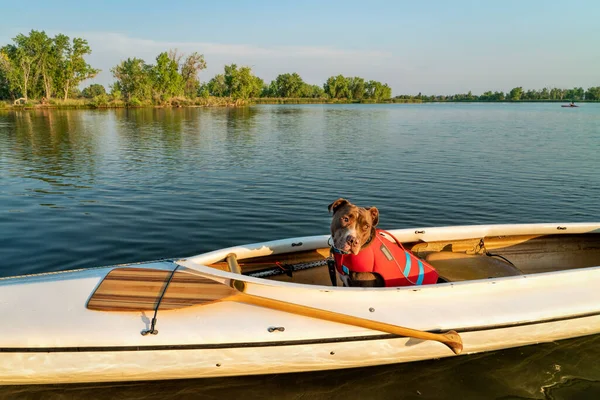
(366, 256)
(351, 228)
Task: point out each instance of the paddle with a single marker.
(236, 291)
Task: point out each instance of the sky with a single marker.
(427, 46)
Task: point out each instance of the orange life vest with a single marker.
(397, 266)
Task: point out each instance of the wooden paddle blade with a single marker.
(453, 341)
(139, 289)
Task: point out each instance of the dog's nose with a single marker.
(350, 239)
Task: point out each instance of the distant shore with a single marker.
(228, 102)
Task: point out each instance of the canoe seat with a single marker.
(455, 267)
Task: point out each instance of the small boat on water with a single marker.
(569, 105)
(271, 308)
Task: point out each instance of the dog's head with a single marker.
(351, 226)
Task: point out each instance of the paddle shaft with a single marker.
(450, 338)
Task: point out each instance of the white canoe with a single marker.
(86, 325)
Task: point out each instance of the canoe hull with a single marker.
(103, 365)
(53, 337)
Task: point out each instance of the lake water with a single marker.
(84, 188)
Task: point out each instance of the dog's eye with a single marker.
(345, 219)
(366, 227)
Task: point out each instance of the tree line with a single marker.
(39, 67)
(516, 94)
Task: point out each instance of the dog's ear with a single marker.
(337, 204)
(374, 215)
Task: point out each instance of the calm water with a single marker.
(89, 188)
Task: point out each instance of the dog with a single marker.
(351, 228)
(369, 257)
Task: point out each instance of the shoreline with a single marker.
(227, 102)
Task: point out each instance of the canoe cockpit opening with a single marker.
(134, 288)
(454, 260)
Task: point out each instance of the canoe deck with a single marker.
(141, 289)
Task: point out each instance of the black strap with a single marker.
(331, 268)
(153, 325)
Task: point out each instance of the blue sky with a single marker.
(428, 46)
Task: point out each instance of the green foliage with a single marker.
(515, 94)
(203, 91)
(165, 77)
(487, 96)
(337, 87)
(134, 102)
(93, 90)
(101, 100)
(5, 91)
(357, 87)
(133, 79)
(18, 63)
(593, 93)
(72, 66)
(162, 83)
(115, 92)
(241, 83)
(190, 68)
(288, 85)
(39, 66)
(217, 86)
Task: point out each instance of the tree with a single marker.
(190, 68)
(593, 93)
(336, 87)
(241, 83)
(39, 45)
(574, 94)
(93, 90)
(377, 91)
(312, 91)
(133, 79)
(217, 86)
(515, 94)
(270, 90)
(356, 87)
(19, 62)
(289, 85)
(6, 73)
(72, 67)
(167, 82)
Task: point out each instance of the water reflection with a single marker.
(55, 147)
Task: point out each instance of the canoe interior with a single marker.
(459, 260)
(133, 289)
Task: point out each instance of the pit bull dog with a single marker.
(370, 257)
